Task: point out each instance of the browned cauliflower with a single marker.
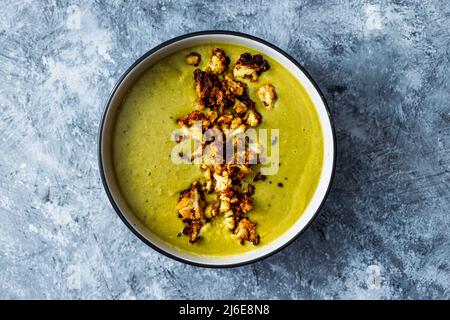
(219, 62)
(211, 91)
(190, 206)
(192, 230)
(190, 119)
(236, 88)
(250, 66)
(252, 118)
(230, 220)
(267, 95)
(212, 210)
(222, 182)
(246, 231)
(239, 107)
(246, 203)
(193, 59)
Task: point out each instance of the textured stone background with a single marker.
(384, 68)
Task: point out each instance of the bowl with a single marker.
(105, 146)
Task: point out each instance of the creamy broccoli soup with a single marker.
(185, 204)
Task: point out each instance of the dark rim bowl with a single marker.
(129, 78)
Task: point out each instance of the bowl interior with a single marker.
(107, 167)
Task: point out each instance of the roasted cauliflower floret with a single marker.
(193, 59)
(208, 88)
(235, 87)
(238, 171)
(231, 133)
(212, 116)
(225, 119)
(218, 168)
(190, 206)
(212, 210)
(246, 203)
(236, 122)
(252, 118)
(225, 203)
(212, 154)
(194, 116)
(219, 62)
(239, 107)
(211, 91)
(209, 181)
(250, 66)
(243, 71)
(204, 83)
(267, 95)
(192, 230)
(246, 231)
(223, 182)
(230, 220)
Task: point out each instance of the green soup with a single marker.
(151, 183)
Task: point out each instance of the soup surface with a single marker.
(151, 183)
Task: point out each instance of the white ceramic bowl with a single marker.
(137, 69)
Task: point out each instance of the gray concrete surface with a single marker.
(384, 68)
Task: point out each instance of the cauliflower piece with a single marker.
(191, 210)
(230, 221)
(246, 203)
(193, 118)
(212, 115)
(236, 88)
(225, 119)
(223, 182)
(210, 91)
(239, 107)
(193, 59)
(243, 71)
(225, 202)
(238, 171)
(212, 154)
(252, 118)
(190, 206)
(246, 231)
(204, 83)
(235, 123)
(184, 207)
(218, 168)
(208, 187)
(250, 66)
(207, 173)
(192, 230)
(212, 210)
(219, 61)
(267, 95)
(231, 133)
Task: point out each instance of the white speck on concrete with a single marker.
(73, 18)
(373, 280)
(374, 19)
